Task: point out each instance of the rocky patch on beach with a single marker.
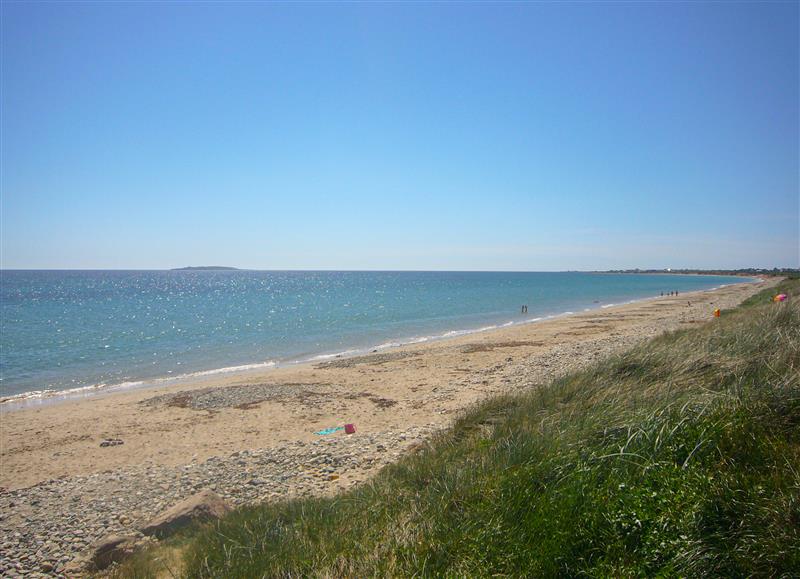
(491, 346)
(46, 526)
(374, 359)
(242, 396)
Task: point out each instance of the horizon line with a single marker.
(234, 269)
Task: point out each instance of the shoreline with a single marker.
(46, 397)
(405, 374)
(252, 439)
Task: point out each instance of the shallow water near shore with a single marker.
(86, 331)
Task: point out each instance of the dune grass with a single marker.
(678, 458)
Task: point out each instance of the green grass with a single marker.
(789, 286)
(677, 458)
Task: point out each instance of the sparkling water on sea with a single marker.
(62, 330)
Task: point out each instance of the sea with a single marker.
(76, 332)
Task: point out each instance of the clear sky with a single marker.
(482, 136)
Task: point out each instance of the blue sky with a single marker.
(484, 136)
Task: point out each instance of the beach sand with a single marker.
(250, 436)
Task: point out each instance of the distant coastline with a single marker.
(206, 268)
(745, 272)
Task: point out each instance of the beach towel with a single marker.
(329, 430)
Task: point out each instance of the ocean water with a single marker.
(64, 330)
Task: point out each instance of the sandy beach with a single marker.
(250, 436)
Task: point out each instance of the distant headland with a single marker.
(749, 271)
(205, 268)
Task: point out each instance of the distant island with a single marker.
(206, 268)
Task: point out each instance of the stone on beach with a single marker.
(103, 553)
(203, 506)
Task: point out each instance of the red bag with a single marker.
(349, 428)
